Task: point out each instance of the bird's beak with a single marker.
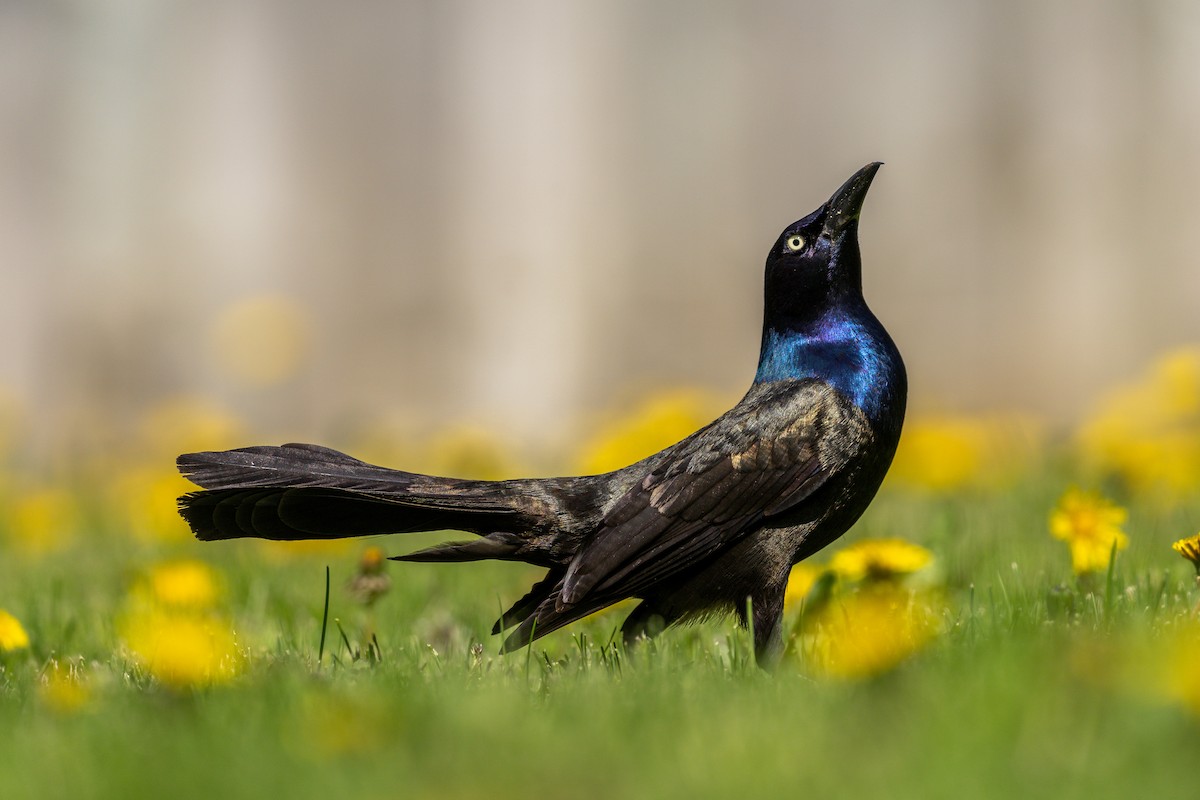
(844, 206)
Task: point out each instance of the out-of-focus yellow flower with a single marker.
(143, 494)
(261, 341)
(1148, 431)
(172, 629)
(331, 726)
(370, 582)
(1181, 678)
(1163, 665)
(467, 451)
(801, 581)
(1091, 526)
(305, 548)
(180, 649)
(145, 500)
(460, 450)
(1190, 549)
(12, 634)
(64, 691)
(187, 424)
(871, 631)
(42, 520)
(185, 584)
(879, 559)
(947, 453)
(1177, 375)
(660, 421)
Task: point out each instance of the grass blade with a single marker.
(324, 618)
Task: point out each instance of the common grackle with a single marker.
(711, 524)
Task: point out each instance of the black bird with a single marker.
(711, 524)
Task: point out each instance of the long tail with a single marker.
(302, 491)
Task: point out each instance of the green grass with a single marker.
(1027, 692)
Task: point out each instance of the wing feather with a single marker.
(714, 487)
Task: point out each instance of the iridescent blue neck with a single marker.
(847, 348)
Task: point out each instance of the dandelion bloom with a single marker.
(870, 632)
(1189, 549)
(171, 628)
(800, 583)
(1148, 431)
(331, 724)
(262, 341)
(144, 499)
(182, 650)
(1180, 669)
(470, 451)
(64, 691)
(186, 584)
(42, 520)
(12, 635)
(186, 422)
(659, 421)
(879, 559)
(370, 583)
(948, 453)
(1091, 525)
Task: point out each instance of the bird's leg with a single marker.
(764, 614)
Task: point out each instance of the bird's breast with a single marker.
(864, 368)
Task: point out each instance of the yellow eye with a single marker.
(794, 243)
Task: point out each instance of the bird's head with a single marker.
(815, 262)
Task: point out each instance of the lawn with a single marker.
(993, 665)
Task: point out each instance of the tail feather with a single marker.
(300, 491)
(288, 465)
(497, 546)
(301, 513)
(310, 466)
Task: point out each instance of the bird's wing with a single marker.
(761, 459)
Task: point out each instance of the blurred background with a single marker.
(333, 222)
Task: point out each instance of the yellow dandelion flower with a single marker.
(1091, 526)
(1176, 375)
(182, 584)
(801, 581)
(187, 424)
(370, 583)
(940, 454)
(879, 559)
(145, 500)
(329, 725)
(1177, 669)
(948, 453)
(469, 451)
(1161, 665)
(261, 341)
(870, 632)
(659, 421)
(1148, 431)
(310, 548)
(64, 692)
(42, 520)
(12, 634)
(182, 650)
(1189, 549)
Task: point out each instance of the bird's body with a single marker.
(711, 524)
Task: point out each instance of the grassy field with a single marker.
(155, 666)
